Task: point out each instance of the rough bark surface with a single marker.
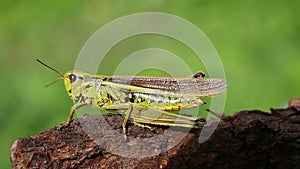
(248, 139)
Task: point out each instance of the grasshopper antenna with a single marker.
(44, 64)
(50, 68)
(51, 83)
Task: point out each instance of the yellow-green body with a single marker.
(144, 99)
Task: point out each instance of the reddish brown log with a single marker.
(248, 139)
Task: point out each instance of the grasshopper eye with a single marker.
(199, 74)
(72, 78)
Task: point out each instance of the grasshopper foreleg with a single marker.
(73, 108)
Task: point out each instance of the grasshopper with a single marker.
(144, 99)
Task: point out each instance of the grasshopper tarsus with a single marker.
(125, 138)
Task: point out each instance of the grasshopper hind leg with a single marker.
(142, 125)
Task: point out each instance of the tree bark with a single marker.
(248, 139)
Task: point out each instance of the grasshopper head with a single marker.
(73, 81)
(78, 84)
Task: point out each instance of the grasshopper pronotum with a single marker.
(144, 99)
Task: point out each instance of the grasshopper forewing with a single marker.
(144, 99)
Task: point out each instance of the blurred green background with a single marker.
(257, 41)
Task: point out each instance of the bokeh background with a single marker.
(257, 41)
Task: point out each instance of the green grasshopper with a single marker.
(144, 99)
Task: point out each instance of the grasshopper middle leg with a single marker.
(124, 124)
